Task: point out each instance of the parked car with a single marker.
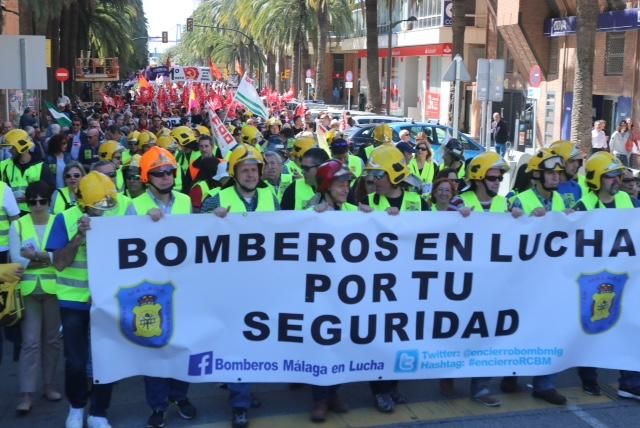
(362, 136)
(370, 119)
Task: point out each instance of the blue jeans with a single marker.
(501, 149)
(239, 395)
(159, 391)
(544, 382)
(629, 380)
(75, 328)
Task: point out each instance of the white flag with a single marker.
(248, 97)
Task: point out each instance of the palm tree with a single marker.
(587, 15)
(371, 19)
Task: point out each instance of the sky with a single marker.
(165, 15)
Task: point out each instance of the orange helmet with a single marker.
(156, 157)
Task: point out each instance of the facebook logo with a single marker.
(201, 364)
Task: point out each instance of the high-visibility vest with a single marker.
(470, 199)
(285, 181)
(144, 203)
(229, 198)
(530, 201)
(293, 168)
(582, 182)
(121, 208)
(72, 283)
(119, 180)
(63, 201)
(355, 165)
(428, 171)
(303, 193)
(621, 199)
(18, 180)
(368, 150)
(4, 217)
(410, 202)
(204, 189)
(46, 275)
(185, 160)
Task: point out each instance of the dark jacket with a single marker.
(500, 131)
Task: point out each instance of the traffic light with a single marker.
(165, 37)
(287, 73)
(189, 25)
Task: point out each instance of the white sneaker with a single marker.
(75, 419)
(97, 422)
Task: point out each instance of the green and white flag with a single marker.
(62, 119)
(248, 97)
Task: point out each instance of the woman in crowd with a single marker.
(65, 197)
(58, 157)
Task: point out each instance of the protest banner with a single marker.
(341, 297)
(223, 137)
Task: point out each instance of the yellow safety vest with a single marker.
(428, 171)
(144, 203)
(303, 193)
(530, 201)
(229, 198)
(185, 161)
(72, 283)
(204, 189)
(4, 217)
(120, 209)
(285, 181)
(18, 180)
(293, 168)
(368, 150)
(410, 202)
(63, 201)
(355, 165)
(119, 180)
(470, 199)
(47, 275)
(591, 201)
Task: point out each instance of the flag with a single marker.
(239, 68)
(214, 70)
(193, 102)
(321, 132)
(223, 137)
(300, 109)
(248, 97)
(143, 82)
(344, 124)
(62, 119)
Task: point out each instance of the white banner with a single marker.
(341, 297)
(223, 137)
(191, 74)
(248, 97)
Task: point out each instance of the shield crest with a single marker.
(146, 313)
(600, 300)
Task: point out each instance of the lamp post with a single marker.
(389, 51)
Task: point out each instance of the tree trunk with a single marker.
(296, 59)
(373, 93)
(271, 69)
(323, 30)
(457, 37)
(587, 15)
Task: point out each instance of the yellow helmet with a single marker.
(274, 121)
(599, 164)
(133, 137)
(184, 135)
(482, 163)
(382, 134)
(146, 138)
(243, 153)
(249, 134)
(156, 157)
(389, 159)
(19, 140)
(331, 135)
(545, 160)
(163, 131)
(108, 149)
(97, 191)
(203, 130)
(134, 162)
(567, 150)
(167, 142)
(301, 145)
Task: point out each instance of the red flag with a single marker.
(300, 109)
(289, 95)
(239, 69)
(214, 70)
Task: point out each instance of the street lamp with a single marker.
(391, 26)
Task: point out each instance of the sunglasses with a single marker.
(34, 202)
(376, 175)
(72, 175)
(308, 168)
(494, 178)
(160, 174)
(132, 177)
(628, 180)
(612, 175)
(422, 149)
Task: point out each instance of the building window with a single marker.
(338, 63)
(554, 53)
(503, 53)
(429, 13)
(614, 55)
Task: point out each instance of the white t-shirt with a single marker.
(598, 139)
(617, 143)
(10, 206)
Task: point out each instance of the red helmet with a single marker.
(330, 171)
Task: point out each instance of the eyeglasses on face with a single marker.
(34, 202)
(494, 178)
(160, 174)
(132, 177)
(308, 168)
(376, 174)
